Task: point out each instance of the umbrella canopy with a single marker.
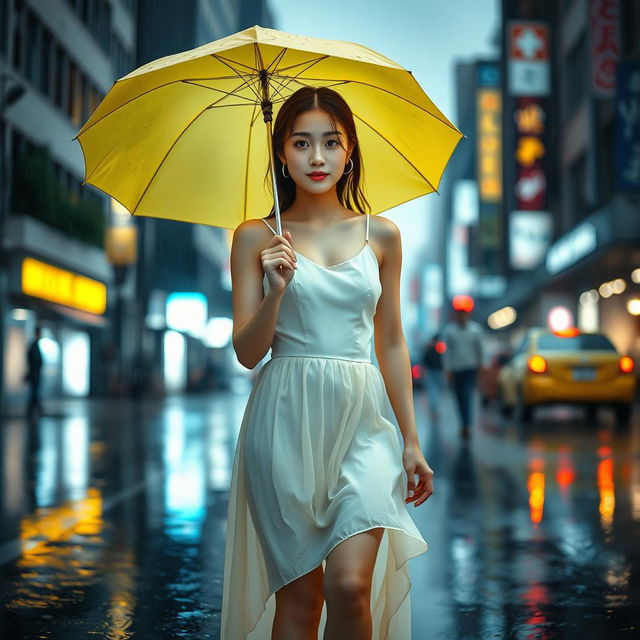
(183, 137)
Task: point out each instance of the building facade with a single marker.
(571, 144)
(61, 57)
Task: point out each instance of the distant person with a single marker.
(463, 358)
(34, 363)
(434, 376)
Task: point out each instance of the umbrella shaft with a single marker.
(276, 202)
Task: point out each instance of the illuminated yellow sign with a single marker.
(489, 145)
(45, 281)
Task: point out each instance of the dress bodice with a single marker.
(328, 311)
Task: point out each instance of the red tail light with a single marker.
(441, 347)
(416, 371)
(537, 364)
(626, 364)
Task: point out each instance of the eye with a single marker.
(295, 144)
(332, 141)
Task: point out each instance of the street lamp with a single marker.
(7, 98)
(121, 250)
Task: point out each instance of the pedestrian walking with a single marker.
(463, 358)
(434, 375)
(34, 367)
(318, 500)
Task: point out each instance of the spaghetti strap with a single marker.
(366, 233)
(268, 225)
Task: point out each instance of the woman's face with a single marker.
(314, 152)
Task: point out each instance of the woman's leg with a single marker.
(347, 586)
(299, 607)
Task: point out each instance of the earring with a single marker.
(346, 173)
(286, 175)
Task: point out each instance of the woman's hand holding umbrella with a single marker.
(279, 262)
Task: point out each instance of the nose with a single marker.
(316, 158)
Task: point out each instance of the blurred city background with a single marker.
(119, 479)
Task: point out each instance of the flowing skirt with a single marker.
(318, 459)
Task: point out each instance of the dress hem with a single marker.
(324, 557)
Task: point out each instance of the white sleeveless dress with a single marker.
(319, 456)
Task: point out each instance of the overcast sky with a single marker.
(424, 36)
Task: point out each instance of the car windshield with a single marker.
(583, 342)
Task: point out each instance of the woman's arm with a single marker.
(395, 364)
(390, 345)
(254, 313)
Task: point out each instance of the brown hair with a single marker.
(349, 190)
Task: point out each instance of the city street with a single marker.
(113, 521)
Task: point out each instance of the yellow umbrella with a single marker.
(181, 138)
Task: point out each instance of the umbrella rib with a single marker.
(373, 86)
(291, 79)
(230, 63)
(173, 144)
(397, 151)
(160, 86)
(227, 93)
(277, 59)
(239, 74)
(212, 105)
(309, 62)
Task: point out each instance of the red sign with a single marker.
(605, 45)
(529, 41)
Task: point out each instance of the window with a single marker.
(33, 49)
(74, 104)
(583, 342)
(121, 60)
(4, 26)
(46, 60)
(17, 53)
(94, 99)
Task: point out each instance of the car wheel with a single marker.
(623, 414)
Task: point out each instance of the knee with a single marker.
(349, 592)
(304, 608)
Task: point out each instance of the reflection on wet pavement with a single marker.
(113, 523)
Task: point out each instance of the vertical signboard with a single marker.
(530, 225)
(528, 58)
(605, 45)
(489, 166)
(628, 127)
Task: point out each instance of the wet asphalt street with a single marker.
(113, 521)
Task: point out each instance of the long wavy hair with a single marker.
(349, 189)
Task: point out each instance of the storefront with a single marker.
(592, 271)
(68, 302)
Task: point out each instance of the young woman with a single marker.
(318, 512)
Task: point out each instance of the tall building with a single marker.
(572, 169)
(179, 257)
(57, 60)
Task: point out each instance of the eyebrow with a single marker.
(306, 134)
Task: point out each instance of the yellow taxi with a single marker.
(567, 366)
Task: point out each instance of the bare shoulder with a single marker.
(386, 235)
(250, 236)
